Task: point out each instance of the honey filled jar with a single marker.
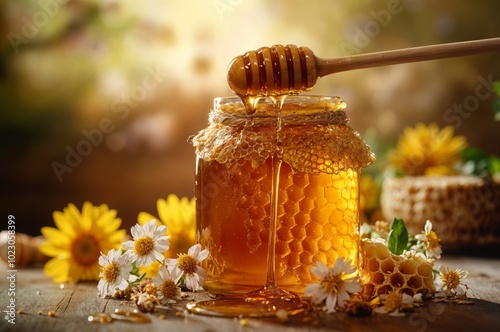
(318, 190)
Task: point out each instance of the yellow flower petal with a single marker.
(144, 217)
(51, 250)
(63, 224)
(57, 269)
(55, 236)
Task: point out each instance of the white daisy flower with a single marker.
(365, 230)
(430, 240)
(166, 283)
(450, 282)
(335, 284)
(148, 244)
(115, 272)
(194, 275)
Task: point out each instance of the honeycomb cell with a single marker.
(286, 221)
(341, 204)
(384, 289)
(378, 278)
(295, 246)
(257, 212)
(344, 252)
(245, 202)
(293, 260)
(319, 257)
(424, 270)
(314, 230)
(302, 219)
(414, 282)
(284, 234)
(306, 205)
(337, 241)
(298, 232)
(240, 178)
(259, 174)
(352, 205)
(291, 208)
(250, 188)
(295, 193)
(329, 230)
(310, 245)
(368, 290)
(282, 249)
(332, 194)
(324, 244)
(301, 180)
(306, 258)
(408, 267)
(349, 242)
(335, 215)
(381, 252)
(397, 280)
(387, 266)
(343, 228)
(373, 265)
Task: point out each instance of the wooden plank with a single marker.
(74, 303)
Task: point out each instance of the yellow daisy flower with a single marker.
(179, 215)
(426, 150)
(77, 242)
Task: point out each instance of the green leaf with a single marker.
(398, 237)
(496, 109)
(496, 87)
(494, 165)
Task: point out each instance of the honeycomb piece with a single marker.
(381, 271)
(464, 210)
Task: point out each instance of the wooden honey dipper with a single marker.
(280, 70)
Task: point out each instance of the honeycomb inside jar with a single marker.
(318, 196)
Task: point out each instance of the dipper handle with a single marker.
(280, 70)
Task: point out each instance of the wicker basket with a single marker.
(464, 210)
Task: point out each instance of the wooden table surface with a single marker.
(74, 303)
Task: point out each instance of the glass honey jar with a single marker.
(318, 190)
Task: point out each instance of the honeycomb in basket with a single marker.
(382, 271)
(464, 210)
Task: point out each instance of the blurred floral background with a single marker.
(98, 97)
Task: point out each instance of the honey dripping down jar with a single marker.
(318, 193)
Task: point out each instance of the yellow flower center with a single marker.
(110, 272)
(85, 250)
(393, 301)
(169, 289)
(451, 279)
(144, 246)
(332, 283)
(187, 263)
(432, 240)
